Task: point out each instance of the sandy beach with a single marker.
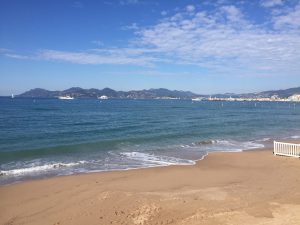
(250, 187)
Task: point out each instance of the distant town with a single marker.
(273, 98)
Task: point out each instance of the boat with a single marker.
(65, 97)
(198, 99)
(12, 96)
(103, 97)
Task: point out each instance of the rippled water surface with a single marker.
(50, 137)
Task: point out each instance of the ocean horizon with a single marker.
(50, 137)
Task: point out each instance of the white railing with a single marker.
(286, 149)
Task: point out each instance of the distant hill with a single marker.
(39, 93)
(282, 93)
(78, 92)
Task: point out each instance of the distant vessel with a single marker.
(12, 96)
(103, 97)
(167, 98)
(65, 97)
(197, 99)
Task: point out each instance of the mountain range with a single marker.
(78, 92)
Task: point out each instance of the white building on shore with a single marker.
(294, 98)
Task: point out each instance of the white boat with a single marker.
(12, 96)
(65, 97)
(103, 97)
(197, 99)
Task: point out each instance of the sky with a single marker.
(204, 46)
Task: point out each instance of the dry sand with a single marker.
(251, 187)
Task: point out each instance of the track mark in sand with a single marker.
(210, 194)
(112, 194)
(11, 221)
(261, 210)
(104, 195)
(282, 215)
(144, 214)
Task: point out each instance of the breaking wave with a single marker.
(222, 145)
(37, 169)
(156, 160)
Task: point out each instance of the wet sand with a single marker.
(250, 187)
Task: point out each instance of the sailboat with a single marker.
(12, 96)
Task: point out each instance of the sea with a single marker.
(42, 138)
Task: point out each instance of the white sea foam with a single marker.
(205, 142)
(204, 147)
(295, 137)
(35, 169)
(156, 160)
(222, 145)
(264, 139)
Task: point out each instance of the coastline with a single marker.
(248, 187)
(191, 163)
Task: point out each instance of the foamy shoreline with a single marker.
(185, 162)
(177, 161)
(153, 160)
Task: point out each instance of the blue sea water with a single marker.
(51, 137)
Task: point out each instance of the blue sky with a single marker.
(198, 45)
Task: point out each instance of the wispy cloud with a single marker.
(224, 41)
(221, 41)
(18, 56)
(271, 3)
(232, 13)
(97, 42)
(106, 57)
(291, 18)
(190, 8)
(163, 13)
(77, 4)
(129, 2)
(4, 50)
(113, 56)
(132, 26)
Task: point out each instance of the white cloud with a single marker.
(129, 2)
(231, 46)
(190, 8)
(118, 57)
(17, 56)
(97, 42)
(92, 57)
(221, 41)
(132, 26)
(289, 20)
(271, 3)
(232, 13)
(4, 50)
(163, 13)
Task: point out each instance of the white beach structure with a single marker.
(286, 149)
